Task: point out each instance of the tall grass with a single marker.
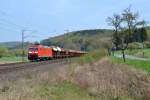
(63, 91)
(92, 56)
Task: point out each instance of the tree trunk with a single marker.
(143, 50)
(113, 53)
(123, 55)
(109, 52)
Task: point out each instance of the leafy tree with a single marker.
(18, 52)
(140, 35)
(143, 33)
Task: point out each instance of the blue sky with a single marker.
(52, 17)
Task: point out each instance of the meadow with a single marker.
(12, 59)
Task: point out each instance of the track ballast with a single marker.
(5, 68)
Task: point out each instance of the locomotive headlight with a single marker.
(30, 52)
(36, 52)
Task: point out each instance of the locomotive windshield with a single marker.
(33, 49)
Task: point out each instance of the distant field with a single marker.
(11, 59)
(139, 64)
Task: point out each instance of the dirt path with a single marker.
(131, 57)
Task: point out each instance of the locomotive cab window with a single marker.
(33, 49)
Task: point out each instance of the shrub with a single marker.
(17, 52)
(3, 52)
(135, 45)
(147, 44)
(92, 56)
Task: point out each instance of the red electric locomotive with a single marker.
(39, 52)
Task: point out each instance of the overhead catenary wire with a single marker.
(11, 26)
(8, 27)
(2, 29)
(2, 20)
(8, 21)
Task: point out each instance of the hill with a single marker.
(10, 44)
(14, 44)
(81, 40)
(84, 39)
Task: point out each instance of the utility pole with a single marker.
(66, 31)
(23, 45)
(23, 38)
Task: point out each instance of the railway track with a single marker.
(9, 64)
(5, 68)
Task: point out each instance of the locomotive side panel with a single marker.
(45, 52)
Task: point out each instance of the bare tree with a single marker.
(124, 26)
(115, 22)
(130, 20)
(129, 25)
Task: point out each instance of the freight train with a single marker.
(40, 52)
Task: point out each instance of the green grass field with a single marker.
(12, 59)
(139, 64)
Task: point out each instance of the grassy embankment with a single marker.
(139, 64)
(92, 56)
(41, 88)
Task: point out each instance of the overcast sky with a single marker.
(52, 17)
